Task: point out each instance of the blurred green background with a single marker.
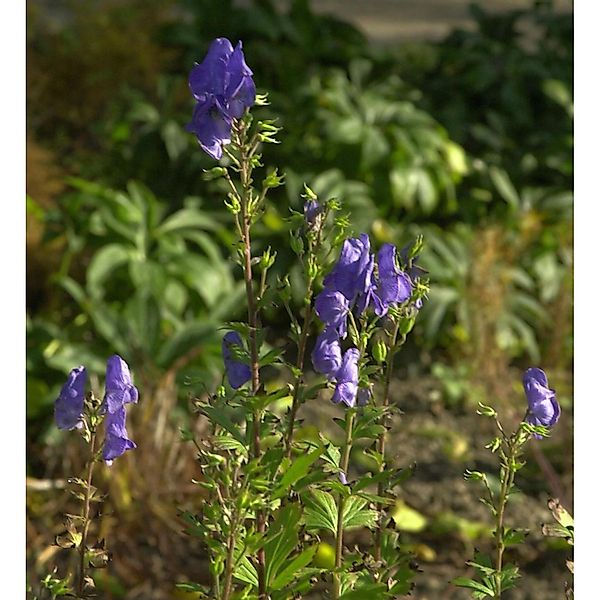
(463, 135)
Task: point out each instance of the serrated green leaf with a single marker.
(321, 511)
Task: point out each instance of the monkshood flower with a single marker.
(68, 408)
(543, 405)
(223, 87)
(327, 354)
(393, 286)
(116, 441)
(119, 388)
(332, 308)
(312, 212)
(351, 275)
(238, 373)
(347, 379)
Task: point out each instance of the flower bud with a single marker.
(380, 351)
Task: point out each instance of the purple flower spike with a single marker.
(119, 386)
(327, 354)
(223, 88)
(238, 373)
(347, 379)
(68, 408)
(116, 441)
(543, 406)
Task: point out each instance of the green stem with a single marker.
(382, 438)
(507, 474)
(85, 515)
(308, 313)
(246, 199)
(339, 540)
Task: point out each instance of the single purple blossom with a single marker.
(327, 354)
(543, 405)
(119, 386)
(116, 441)
(332, 308)
(238, 373)
(347, 379)
(68, 408)
(351, 275)
(223, 88)
(312, 212)
(393, 286)
(343, 478)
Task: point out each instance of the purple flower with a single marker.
(238, 373)
(351, 274)
(312, 211)
(116, 441)
(327, 354)
(223, 88)
(347, 379)
(543, 406)
(68, 408)
(332, 308)
(393, 285)
(119, 387)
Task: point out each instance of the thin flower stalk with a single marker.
(85, 514)
(339, 538)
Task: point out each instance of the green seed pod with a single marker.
(380, 351)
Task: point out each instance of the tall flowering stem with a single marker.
(314, 242)
(85, 513)
(392, 349)
(339, 538)
(248, 206)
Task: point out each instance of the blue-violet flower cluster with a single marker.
(354, 285)
(69, 406)
(223, 88)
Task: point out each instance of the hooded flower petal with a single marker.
(238, 373)
(209, 77)
(119, 386)
(394, 286)
(116, 441)
(68, 408)
(347, 379)
(312, 211)
(212, 127)
(327, 354)
(351, 275)
(240, 90)
(332, 308)
(543, 405)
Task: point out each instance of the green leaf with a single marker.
(193, 335)
(245, 571)
(298, 469)
(504, 187)
(321, 512)
(355, 515)
(103, 264)
(282, 538)
(293, 567)
(187, 218)
(473, 585)
(216, 415)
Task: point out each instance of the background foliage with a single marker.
(467, 141)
